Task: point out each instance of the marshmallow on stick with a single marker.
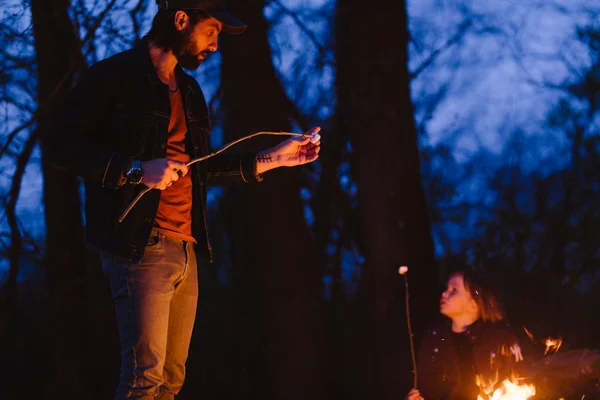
(402, 271)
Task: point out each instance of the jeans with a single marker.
(155, 303)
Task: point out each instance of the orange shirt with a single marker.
(174, 217)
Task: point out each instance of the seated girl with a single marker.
(474, 345)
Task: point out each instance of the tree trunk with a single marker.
(374, 106)
(59, 59)
(277, 275)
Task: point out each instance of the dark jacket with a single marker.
(438, 361)
(120, 111)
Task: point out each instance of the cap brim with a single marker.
(231, 24)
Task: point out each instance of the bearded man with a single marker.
(134, 121)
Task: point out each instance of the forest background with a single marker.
(455, 132)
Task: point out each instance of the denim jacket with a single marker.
(120, 111)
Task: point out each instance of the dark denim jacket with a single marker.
(120, 111)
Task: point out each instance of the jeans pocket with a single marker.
(156, 241)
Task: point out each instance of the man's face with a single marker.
(197, 42)
(456, 299)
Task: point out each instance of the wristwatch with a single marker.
(135, 173)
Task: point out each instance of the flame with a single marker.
(510, 390)
(529, 334)
(552, 345)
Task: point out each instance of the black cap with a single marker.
(216, 9)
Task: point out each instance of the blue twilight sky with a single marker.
(494, 75)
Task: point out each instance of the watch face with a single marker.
(134, 175)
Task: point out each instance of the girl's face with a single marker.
(456, 299)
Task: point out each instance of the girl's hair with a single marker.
(490, 307)
(163, 32)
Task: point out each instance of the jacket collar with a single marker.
(473, 330)
(142, 55)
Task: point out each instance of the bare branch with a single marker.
(134, 13)
(307, 31)
(16, 238)
(92, 29)
(33, 119)
(31, 245)
(460, 33)
(15, 132)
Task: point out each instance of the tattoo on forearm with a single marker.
(263, 158)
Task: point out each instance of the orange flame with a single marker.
(510, 390)
(552, 345)
(529, 334)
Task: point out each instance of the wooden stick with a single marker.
(403, 271)
(143, 192)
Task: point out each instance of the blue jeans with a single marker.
(155, 303)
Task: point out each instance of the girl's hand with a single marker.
(414, 394)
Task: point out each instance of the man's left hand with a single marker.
(289, 153)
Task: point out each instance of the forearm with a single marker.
(265, 161)
(226, 169)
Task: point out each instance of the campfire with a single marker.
(554, 372)
(509, 389)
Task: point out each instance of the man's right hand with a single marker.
(414, 394)
(160, 173)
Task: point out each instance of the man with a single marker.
(134, 121)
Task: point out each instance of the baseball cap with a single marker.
(215, 8)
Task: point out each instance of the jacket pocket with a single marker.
(138, 134)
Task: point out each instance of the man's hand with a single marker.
(414, 394)
(289, 153)
(162, 172)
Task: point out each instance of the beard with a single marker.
(185, 52)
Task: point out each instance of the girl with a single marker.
(474, 345)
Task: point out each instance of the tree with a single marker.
(59, 62)
(375, 108)
(275, 275)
